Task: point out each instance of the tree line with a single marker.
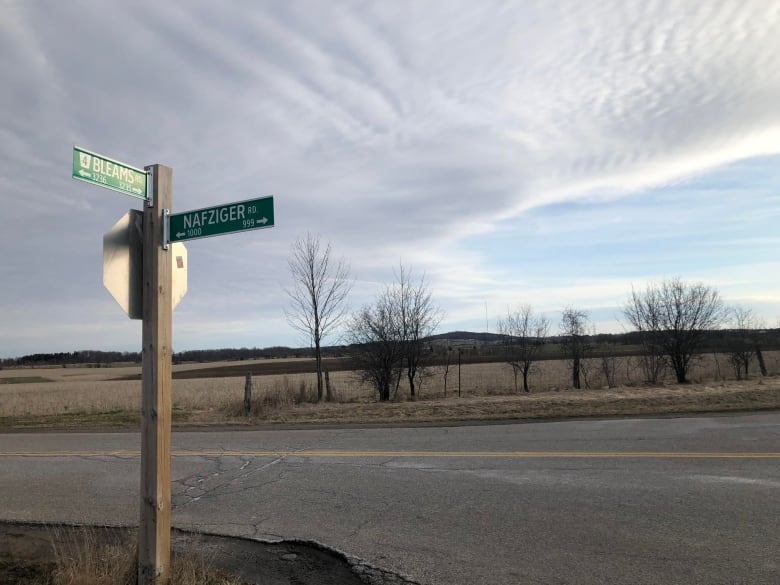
(389, 339)
(96, 357)
(673, 321)
(100, 358)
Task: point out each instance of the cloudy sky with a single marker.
(551, 153)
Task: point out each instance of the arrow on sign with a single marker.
(85, 173)
(180, 234)
(136, 190)
(263, 221)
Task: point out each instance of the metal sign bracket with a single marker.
(150, 185)
(166, 228)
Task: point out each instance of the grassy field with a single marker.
(98, 397)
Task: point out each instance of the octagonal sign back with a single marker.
(123, 264)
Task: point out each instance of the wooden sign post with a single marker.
(154, 546)
(161, 245)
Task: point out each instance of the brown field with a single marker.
(74, 397)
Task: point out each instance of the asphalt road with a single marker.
(640, 501)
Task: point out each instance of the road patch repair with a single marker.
(30, 551)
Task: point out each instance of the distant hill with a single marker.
(480, 344)
(467, 336)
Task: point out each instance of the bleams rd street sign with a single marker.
(97, 169)
(222, 219)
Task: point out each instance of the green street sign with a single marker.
(108, 173)
(223, 219)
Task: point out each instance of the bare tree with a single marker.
(388, 336)
(318, 294)
(609, 370)
(418, 317)
(524, 335)
(574, 329)
(376, 346)
(744, 341)
(676, 316)
(646, 319)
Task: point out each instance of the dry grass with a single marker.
(86, 557)
(90, 397)
(82, 558)
(695, 398)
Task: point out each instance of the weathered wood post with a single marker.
(248, 393)
(446, 369)
(154, 534)
(761, 363)
(328, 387)
(459, 361)
(154, 186)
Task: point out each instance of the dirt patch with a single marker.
(28, 555)
(292, 367)
(24, 380)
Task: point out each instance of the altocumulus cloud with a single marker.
(395, 129)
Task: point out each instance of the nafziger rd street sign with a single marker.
(222, 219)
(106, 172)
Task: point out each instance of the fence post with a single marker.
(248, 394)
(328, 388)
(459, 361)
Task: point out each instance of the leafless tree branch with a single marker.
(318, 294)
